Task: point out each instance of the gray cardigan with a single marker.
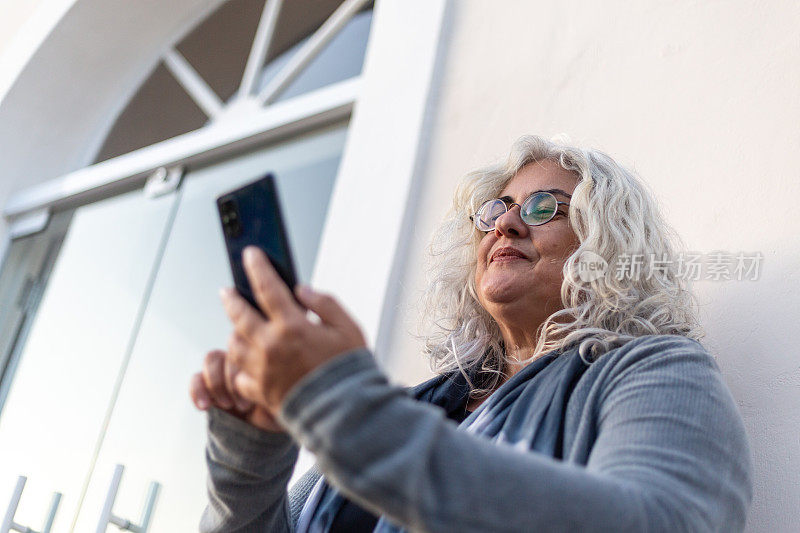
(651, 440)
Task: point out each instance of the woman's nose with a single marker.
(510, 223)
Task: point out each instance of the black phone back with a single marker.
(252, 215)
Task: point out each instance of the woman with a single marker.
(568, 398)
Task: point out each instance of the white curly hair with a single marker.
(613, 214)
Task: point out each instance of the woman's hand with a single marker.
(273, 355)
(213, 387)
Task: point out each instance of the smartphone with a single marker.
(251, 215)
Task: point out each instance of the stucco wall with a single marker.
(701, 99)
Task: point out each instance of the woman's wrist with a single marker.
(321, 380)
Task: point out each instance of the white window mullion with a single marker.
(261, 46)
(193, 84)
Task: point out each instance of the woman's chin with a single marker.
(503, 293)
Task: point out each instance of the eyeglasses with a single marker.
(539, 208)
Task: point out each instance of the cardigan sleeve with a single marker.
(670, 453)
(248, 473)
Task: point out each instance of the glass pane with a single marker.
(69, 366)
(155, 431)
(340, 60)
(26, 266)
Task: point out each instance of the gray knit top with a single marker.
(649, 438)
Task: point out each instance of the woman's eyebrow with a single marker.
(508, 199)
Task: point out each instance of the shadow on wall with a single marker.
(752, 328)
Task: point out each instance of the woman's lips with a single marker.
(507, 258)
(506, 254)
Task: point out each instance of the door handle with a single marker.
(8, 521)
(108, 516)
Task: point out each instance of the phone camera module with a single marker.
(230, 219)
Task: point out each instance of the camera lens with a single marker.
(230, 218)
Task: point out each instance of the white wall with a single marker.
(702, 99)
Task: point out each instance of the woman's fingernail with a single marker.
(249, 254)
(202, 404)
(223, 292)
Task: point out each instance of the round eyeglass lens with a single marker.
(539, 208)
(489, 213)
